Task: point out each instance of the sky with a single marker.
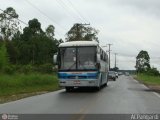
(129, 25)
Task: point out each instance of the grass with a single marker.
(150, 80)
(26, 83)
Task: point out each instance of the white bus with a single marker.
(81, 64)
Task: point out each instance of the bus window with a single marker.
(86, 57)
(68, 58)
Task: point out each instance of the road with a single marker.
(125, 95)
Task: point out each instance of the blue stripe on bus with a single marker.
(85, 75)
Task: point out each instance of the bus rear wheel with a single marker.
(68, 89)
(105, 84)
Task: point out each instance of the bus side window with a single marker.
(102, 55)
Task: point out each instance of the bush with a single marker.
(153, 72)
(45, 68)
(9, 69)
(24, 69)
(27, 69)
(3, 57)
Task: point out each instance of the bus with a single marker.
(81, 64)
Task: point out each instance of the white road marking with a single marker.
(141, 84)
(136, 81)
(144, 86)
(158, 95)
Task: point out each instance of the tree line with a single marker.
(32, 45)
(143, 64)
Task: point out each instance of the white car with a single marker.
(116, 74)
(112, 75)
(127, 73)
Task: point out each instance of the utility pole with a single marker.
(78, 30)
(115, 60)
(109, 52)
(109, 55)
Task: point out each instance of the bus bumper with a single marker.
(78, 83)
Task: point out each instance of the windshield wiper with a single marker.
(71, 66)
(82, 65)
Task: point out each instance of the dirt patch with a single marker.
(155, 88)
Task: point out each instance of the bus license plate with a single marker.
(77, 82)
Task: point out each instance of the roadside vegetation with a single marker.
(27, 83)
(26, 55)
(26, 66)
(148, 79)
(149, 76)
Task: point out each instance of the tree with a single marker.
(3, 57)
(80, 32)
(142, 61)
(50, 31)
(12, 52)
(36, 46)
(34, 28)
(8, 23)
(29, 42)
(153, 72)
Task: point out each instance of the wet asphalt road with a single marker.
(125, 95)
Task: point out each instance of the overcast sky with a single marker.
(130, 25)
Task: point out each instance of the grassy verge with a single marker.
(150, 80)
(24, 85)
(153, 82)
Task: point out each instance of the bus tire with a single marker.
(69, 89)
(100, 84)
(106, 84)
(97, 88)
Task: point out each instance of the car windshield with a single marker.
(77, 58)
(111, 72)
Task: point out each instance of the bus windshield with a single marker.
(77, 58)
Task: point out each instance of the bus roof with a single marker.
(79, 43)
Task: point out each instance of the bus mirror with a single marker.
(98, 66)
(55, 59)
(98, 58)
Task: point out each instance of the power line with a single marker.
(125, 55)
(70, 9)
(78, 11)
(64, 6)
(14, 18)
(61, 4)
(40, 11)
(133, 55)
